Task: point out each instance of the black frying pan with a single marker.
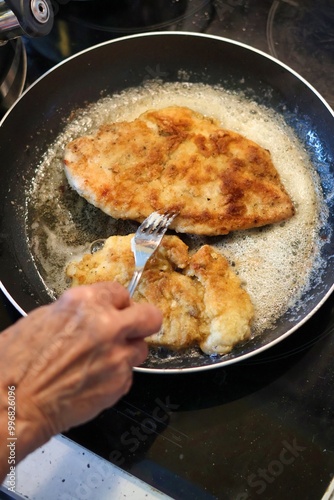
(39, 115)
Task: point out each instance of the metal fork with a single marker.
(145, 242)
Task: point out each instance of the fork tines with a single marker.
(157, 221)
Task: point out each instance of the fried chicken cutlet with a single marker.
(181, 161)
(201, 298)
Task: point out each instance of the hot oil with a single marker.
(274, 262)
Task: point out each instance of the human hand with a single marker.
(74, 358)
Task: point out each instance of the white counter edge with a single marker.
(64, 470)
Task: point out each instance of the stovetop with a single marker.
(257, 429)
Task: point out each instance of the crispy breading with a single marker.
(227, 305)
(201, 298)
(176, 159)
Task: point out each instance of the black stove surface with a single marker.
(257, 429)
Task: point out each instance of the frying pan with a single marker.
(37, 118)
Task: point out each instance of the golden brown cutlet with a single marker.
(179, 160)
(201, 298)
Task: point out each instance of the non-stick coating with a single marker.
(38, 117)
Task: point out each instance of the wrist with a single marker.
(31, 429)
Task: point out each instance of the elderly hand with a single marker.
(70, 360)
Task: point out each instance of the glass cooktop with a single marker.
(261, 428)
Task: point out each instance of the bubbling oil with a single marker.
(273, 262)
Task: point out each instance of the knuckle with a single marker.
(72, 296)
(108, 292)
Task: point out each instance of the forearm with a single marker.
(8, 421)
(4, 466)
(18, 437)
(8, 432)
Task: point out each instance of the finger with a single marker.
(140, 320)
(103, 294)
(139, 352)
(111, 292)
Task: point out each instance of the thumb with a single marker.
(141, 320)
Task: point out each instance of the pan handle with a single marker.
(25, 17)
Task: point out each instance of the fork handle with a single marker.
(134, 281)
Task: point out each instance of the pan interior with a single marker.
(278, 264)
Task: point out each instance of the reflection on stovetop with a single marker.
(300, 34)
(256, 429)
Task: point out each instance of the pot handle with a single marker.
(25, 17)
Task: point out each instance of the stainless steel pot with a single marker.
(33, 18)
(13, 70)
(19, 17)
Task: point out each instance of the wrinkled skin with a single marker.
(70, 360)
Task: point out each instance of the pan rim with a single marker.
(173, 33)
(270, 344)
(238, 359)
